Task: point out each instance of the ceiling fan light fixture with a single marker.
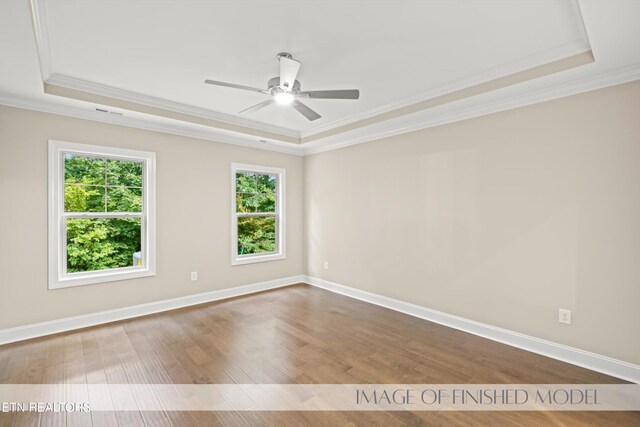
(284, 98)
(285, 90)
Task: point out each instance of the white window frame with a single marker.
(280, 252)
(58, 276)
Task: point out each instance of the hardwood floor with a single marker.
(297, 334)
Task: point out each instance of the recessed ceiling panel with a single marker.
(390, 50)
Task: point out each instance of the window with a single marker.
(101, 214)
(257, 200)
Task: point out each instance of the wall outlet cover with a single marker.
(564, 316)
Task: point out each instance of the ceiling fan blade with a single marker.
(333, 94)
(253, 89)
(305, 111)
(257, 106)
(288, 72)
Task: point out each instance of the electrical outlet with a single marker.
(194, 276)
(564, 316)
(326, 265)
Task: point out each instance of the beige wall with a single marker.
(193, 218)
(501, 219)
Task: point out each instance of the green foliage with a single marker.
(124, 199)
(84, 170)
(124, 173)
(256, 235)
(99, 244)
(256, 193)
(100, 185)
(83, 198)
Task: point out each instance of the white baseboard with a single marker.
(585, 359)
(69, 323)
(606, 365)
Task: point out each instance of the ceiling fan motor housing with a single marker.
(273, 86)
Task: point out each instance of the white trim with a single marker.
(83, 321)
(585, 359)
(531, 61)
(165, 104)
(45, 58)
(417, 121)
(280, 215)
(57, 275)
(466, 109)
(169, 127)
(41, 31)
(39, 16)
(421, 120)
(577, 10)
(462, 110)
(567, 50)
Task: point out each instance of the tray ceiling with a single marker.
(149, 58)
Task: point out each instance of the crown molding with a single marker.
(467, 109)
(417, 121)
(429, 117)
(45, 59)
(41, 31)
(529, 62)
(558, 53)
(173, 127)
(575, 47)
(45, 53)
(126, 95)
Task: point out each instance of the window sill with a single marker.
(98, 277)
(251, 259)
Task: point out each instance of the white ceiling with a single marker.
(395, 52)
(388, 49)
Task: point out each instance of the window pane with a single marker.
(83, 170)
(256, 235)
(126, 173)
(124, 199)
(83, 198)
(246, 183)
(100, 244)
(267, 183)
(252, 202)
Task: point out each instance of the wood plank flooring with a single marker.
(298, 334)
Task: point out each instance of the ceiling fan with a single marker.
(285, 89)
